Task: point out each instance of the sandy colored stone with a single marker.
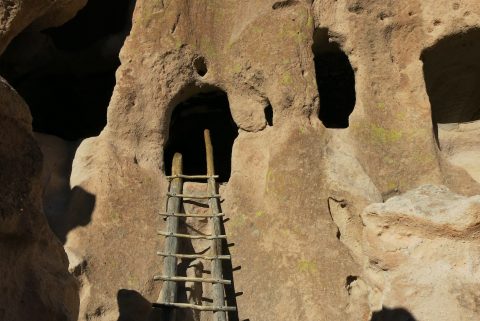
(294, 264)
(303, 245)
(422, 248)
(33, 265)
(57, 194)
(460, 143)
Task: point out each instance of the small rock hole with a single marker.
(269, 114)
(283, 4)
(356, 8)
(350, 279)
(200, 66)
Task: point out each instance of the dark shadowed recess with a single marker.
(66, 74)
(398, 314)
(79, 213)
(132, 306)
(268, 111)
(335, 81)
(451, 69)
(208, 110)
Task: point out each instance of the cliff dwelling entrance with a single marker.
(204, 110)
(335, 81)
(66, 74)
(452, 78)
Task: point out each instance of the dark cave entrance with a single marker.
(452, 77)
(189, 119)
(66, 74)
(335, 81)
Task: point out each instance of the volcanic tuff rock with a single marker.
(18, 15)
(33, 263)
(308, 244)
(422, 249)
(35, 282)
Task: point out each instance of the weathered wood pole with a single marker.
(169, 289)
(218, 291)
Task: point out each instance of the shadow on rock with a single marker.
(79, 213)
(132, 306)
(387, 314)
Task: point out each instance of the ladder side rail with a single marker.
(169, 288)
(216, 249)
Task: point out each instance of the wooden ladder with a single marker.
(168, 295)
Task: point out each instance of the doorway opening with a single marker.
(452, 77)
(335, 81)
(207, 110)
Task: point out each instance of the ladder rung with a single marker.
(193, 196)
(192, 215)
(194, 306)
(188, 236)
(192, 176)
(188, 279)
(197, 256)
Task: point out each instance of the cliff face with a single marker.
(350, 116)
(33, 265)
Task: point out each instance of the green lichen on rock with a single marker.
(384, 135)
(287, 78)
(307, 266)
(259, 213)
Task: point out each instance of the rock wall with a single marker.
(33, 265)
(35, 280)
(421, 249)
(36, 14)
(306, 243)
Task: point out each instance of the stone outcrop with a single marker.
(422, 249)
(35, 282)
(17, 15)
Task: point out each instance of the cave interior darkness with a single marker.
(335, 81)
(452, 77)
(66, 74)
(207, 110)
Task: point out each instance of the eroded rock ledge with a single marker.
(422, 249)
